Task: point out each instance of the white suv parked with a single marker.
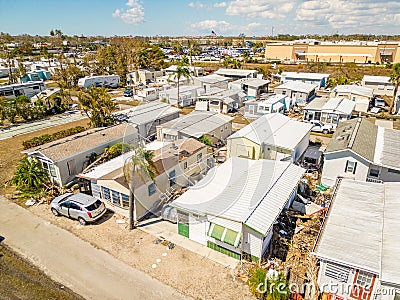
(323, 128)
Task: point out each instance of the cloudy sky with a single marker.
(182, 17)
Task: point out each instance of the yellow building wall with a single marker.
(372, 53)
(243, 147)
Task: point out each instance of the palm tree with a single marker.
(142, 165)
(30, 175)
(181, 71)
(98, 106)
(395, 79)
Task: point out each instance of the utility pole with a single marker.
(272, 31)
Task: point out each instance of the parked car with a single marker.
(379, 102)
(324, 128)
(312, 159)
(128, 93)
(82, 207)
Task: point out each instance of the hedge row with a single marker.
(46, 138)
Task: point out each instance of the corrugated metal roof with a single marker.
(241, 185)
(362, 228)
(274, 129)
(388, 148)
(299, 75)
(353, 230)
(149, 112)
(376, 79)
(297, 86)
(234, 72)
(339, 106)
(354, 89)
(316, 104)
(390, 264)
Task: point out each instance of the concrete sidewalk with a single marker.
(169, 231)
(90, 272)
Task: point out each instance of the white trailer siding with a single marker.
(109, 81)
(335, 165)
(252, 242)
(198, 227)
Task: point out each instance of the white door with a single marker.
(198, 229)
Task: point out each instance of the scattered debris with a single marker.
(164, 254)
(171, 245)
(119, 221)
(30, 202)
(158, 260)
(154, 266)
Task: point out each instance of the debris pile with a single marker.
(243, 269)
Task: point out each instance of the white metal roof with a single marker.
(275, 129)
(212, 78)
(390, 258)
(273, 99)
(302, 75)
(354, 89)
(297, 86)
(246, 191)
(387, 148)
(352, 233)
(362, 228)
(339, 105)
(253, 82)
(316, 104)
(376, 79)
(235, 72)
(148, 112)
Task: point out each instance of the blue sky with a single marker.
(174, 17)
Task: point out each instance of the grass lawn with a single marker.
(10, 151)
(21, 280)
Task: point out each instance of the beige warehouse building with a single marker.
(358, 52)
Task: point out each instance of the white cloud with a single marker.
(224, 27)
(355, 15)
(133, 15)
(269, 9)
(220, 4)
(197, 4)
(217, 26)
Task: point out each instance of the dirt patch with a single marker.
(10, 150)
(21, 280)
(187, 272)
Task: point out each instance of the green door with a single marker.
(183, 229)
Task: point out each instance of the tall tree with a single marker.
(142, 166)
(395, 79)
(98, 106)
(182, 71)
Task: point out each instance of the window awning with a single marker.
(224, 234)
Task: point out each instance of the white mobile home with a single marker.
(235, 74)
(329, 110)
(108, 81)
(358, 244)
(318, 79)
(233, 208)
(28, 89)
(188, 95)
(63, 159)
(196, 124)
(252, 87)
(274, 104)
(300, 92)
(363, 151)
(147, 117)
(361, 95)
(271, 136)
(147, 94)
(380, 84)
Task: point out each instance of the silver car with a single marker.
(81, 207)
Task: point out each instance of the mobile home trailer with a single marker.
(28, 89)
(108, 81)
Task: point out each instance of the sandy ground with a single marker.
(187, 272)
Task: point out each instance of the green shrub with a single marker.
(46, 138)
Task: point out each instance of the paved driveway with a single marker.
(88, 271)
(23, 128)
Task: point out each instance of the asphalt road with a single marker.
(90, 272)
(28, 127)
